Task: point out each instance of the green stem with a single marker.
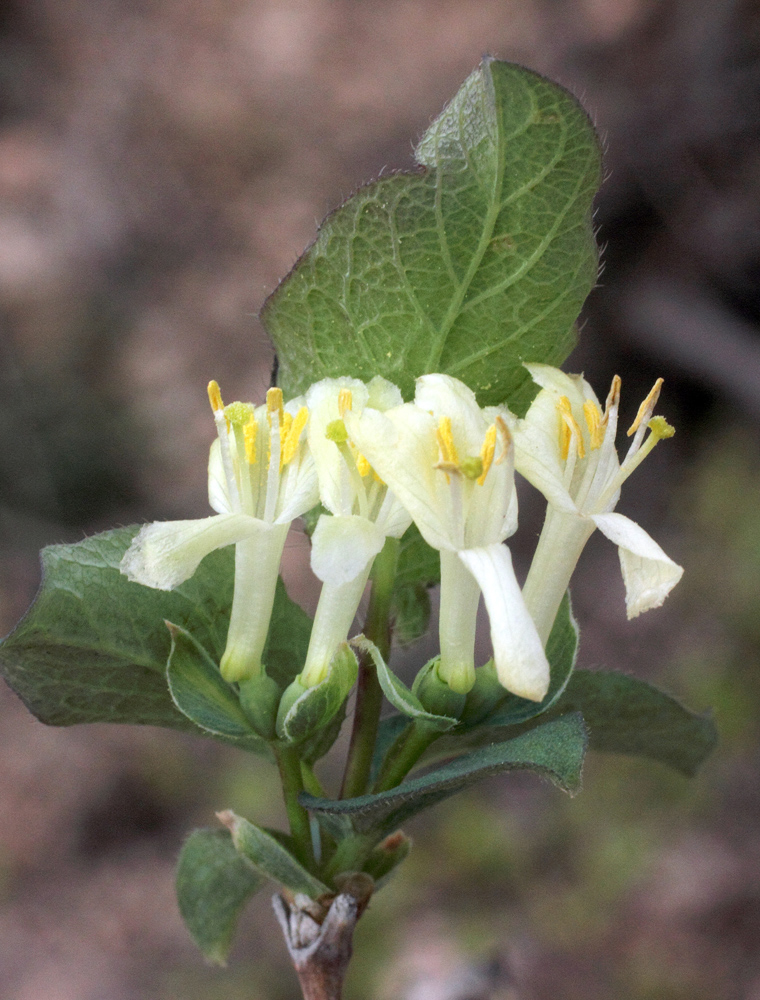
(369, 695)
(404, 754)
(292, 785)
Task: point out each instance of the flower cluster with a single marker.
(376, 464)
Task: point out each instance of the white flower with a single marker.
(565, 447)
(363, 512)
(261, 477)
(450, 464)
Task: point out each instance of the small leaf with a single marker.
(213, 885)
(317, 705)
(628, 716)
(397, 693)
(554, 750)
(199, 690)
(410, 611)
(474, 263)
(270, 857)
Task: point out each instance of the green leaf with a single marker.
(288, 640)
(410, 612)
(213, 885)
(417, 562)
(93, 647)
(554, 750)
(316, 706)
(200, 692)
(628, 716)
(476, 262)
(397, 693)
(270, 857)
(561, 652)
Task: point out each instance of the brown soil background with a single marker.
(162, 165)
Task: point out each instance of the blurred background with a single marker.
(162, 164)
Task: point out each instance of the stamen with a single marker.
(274, 403)
(274, 414)
(293, 433)
(363, 466)
(594, 423)
(647, 407)
(446, 442)
(506, 438)
(345, 401)
(215, 396)
(487, 453)
(249, 435)
(613, 397)
(568, 430)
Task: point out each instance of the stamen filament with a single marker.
(273, 472)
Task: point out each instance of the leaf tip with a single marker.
(227, 818)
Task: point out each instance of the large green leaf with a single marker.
(93, 647)
(214, 882)
(554, 750)
(628, 716)
(478, 261)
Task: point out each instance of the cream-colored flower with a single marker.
(450, 463)
(565, 446)
(261, 477)
(363, 512)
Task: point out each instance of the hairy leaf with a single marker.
(628, 716)
(554, 750)
(93, 647)
(478, 261)
(214, 882)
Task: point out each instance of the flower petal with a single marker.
(165, 553)
(649, 575)
(342, 546)
(335, 487)
(444, 396)
(537, 455)
(519, 656)
(218, 497)
(401, 446)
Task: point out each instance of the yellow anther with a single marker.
(363, 466)
(487, 453)
(446, 443)
(594, 422)
(249, 436)
(660, 428)
(274, 403)
(345, 401)
(294, 429)
(647, 407)
(215, 396)
(568, 429)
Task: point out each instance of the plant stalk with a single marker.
(292, 785)
(369, 695)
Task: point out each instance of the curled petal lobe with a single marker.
(343, 546)
(648, 573)
(519, 656)
(166, 553)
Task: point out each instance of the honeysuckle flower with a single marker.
(450, 463)
(565, 446)
(363, 512)
(260, 478)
